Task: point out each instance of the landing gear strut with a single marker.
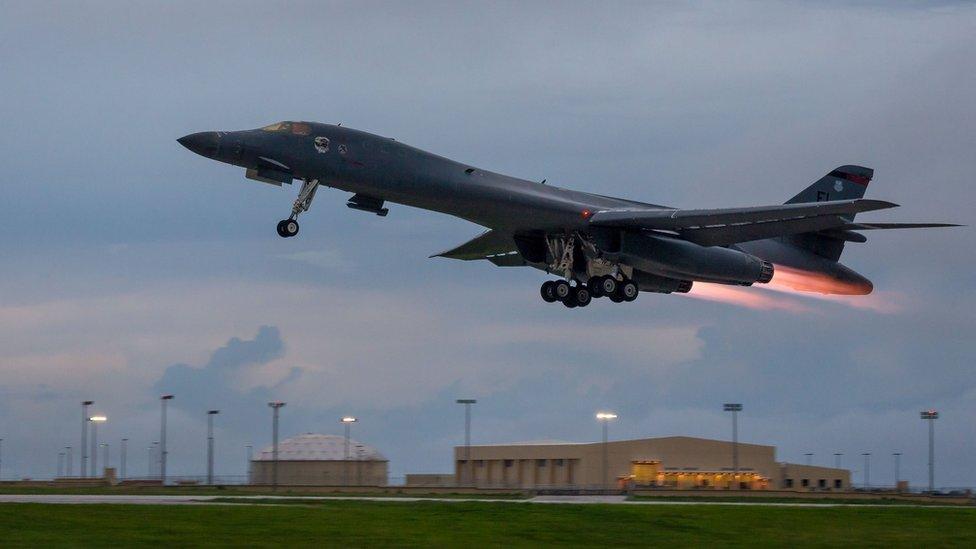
(289, 227)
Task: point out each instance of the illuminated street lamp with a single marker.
(95, 420)
(931, 416)
(275, 405)
(735, 408)
(346, 422)
(84, 435)
(210, 445)
(467, 402)
(605, 418)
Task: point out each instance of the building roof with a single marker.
(315, 447)
(612, 442)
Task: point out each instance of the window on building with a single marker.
(805, 482)
(540, 462)
(838, 484)
(509, 462)
(822, 483)
(789, 483)
(558, 462)
(479, 463)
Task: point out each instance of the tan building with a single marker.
(323, 460)
(666, 462)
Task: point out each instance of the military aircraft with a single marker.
(596, 245)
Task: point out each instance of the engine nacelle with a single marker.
(679, 259)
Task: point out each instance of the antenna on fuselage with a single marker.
(544, 181)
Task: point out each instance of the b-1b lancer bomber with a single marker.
(596, 245)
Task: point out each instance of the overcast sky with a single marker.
(133, 267)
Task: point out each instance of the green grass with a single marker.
(444, 524)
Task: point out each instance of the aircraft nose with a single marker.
(202, 143)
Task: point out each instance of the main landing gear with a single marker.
(581, 295)
(289, 227)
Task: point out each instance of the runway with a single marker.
(89, 499)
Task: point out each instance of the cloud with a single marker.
(215, 383)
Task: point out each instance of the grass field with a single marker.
(362, 523)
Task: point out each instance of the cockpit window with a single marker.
(279, 127)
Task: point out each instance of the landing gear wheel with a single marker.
(629, 290)
(561, 290)
(616, 298)
(570, 301)
(548, 291)
(287, 228)
(608, 285)
(593, 284)
(582, 296)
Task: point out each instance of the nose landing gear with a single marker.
(289, 227)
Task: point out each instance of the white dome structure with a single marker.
(315, 447)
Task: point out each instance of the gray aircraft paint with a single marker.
(378, 169)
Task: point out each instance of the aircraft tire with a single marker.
(288, 228)
(608, 285)
(629, 290)
(547, 291)
(561, 290)
(582, 296)
(593, 284)
(570, 302)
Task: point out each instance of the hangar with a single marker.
(676, 462)
(314, 459)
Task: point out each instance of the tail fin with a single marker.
(843, 183)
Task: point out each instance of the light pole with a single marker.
(84, 434)
(123, 451)
(605, 417)
(162, 438)
(68, 471)
(276, 405)
(809, 458)
(60, 463)
(104, 447)
(248, 448)
(897, 456)
(931, 416)
(467, 402)
(1, 458)
(210, 445)
(347, 422)
(837, 457)
(95, 420)
(735, 408)
(867, 469)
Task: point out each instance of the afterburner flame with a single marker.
(807, 281)
(744, 297)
